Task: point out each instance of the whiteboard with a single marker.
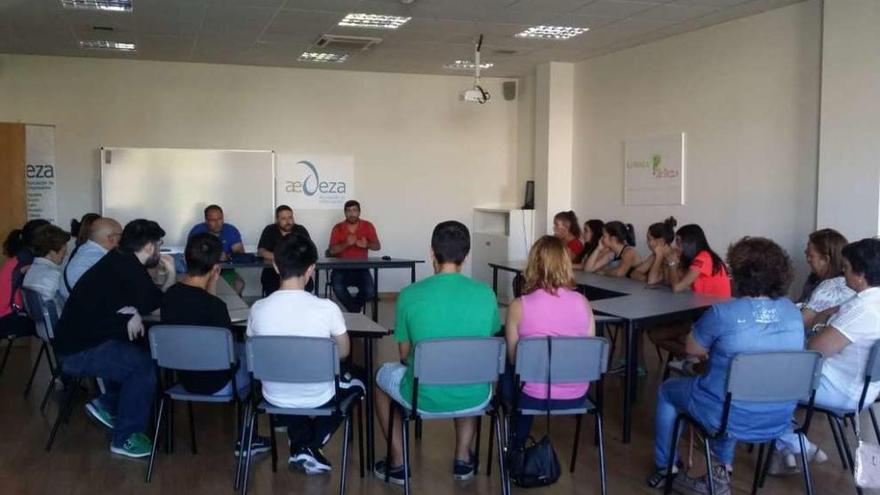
(173, 186)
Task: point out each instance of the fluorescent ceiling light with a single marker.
(467, 65)
(107, 45)
(323, 57)
(109, 5)
(375, 21)
(552, 32)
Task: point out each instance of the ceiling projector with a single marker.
(476, 94)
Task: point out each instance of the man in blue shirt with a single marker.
(103, 237)
(229, 236)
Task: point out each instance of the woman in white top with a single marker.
(846, 339)
(44, 275)
(825, 289)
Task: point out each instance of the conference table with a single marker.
(637, 305)
(358, 325)
(327, 264)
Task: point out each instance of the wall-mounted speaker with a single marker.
(509, 90)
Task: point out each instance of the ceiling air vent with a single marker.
(346, 43)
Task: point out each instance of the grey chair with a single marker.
(795, 378)
(193, 348)
(837, 418)
(573, 360)
(460, 361)
(45, 317)
(289, 359)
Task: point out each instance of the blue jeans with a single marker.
(674, 398)
(131, 382)
(341, 280)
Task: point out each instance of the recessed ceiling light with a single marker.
(107, 45)
(111, 5)
(467, 65)
(552, 32)
(323, 57)
(375, 21)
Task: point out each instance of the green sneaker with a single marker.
(100, 414)
(138, 445)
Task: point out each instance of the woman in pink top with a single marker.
(549, 307)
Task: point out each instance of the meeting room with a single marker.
(439, 246)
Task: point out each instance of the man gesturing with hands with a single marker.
(97, 328)
(353, 238)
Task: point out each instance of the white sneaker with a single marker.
(816, 455)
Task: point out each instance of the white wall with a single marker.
(746, 93)
(849, 175)
(421, 156)
(554, 121)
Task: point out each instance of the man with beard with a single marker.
(353, 238)
(285, 224)
(101, 321)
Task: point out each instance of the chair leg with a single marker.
(155, 439)
(169, 430)
(808, 481)
(360, 428)
(273, 443)
(709, 476)
(49, 389)
(389, 443)
(492, 420)
(601, 430)
(502, 469)
(27, 389)
(874, 422)
(847, 450)
(667, 489)
(6, 354)
(477, 446)
(247, 453)
(574, 445)
(837, 442)
(418, 428)
(406, 468)
(759, 465)
(63, 408)
(239, 461)
(345, 453)
(766, 468)
(192, 427)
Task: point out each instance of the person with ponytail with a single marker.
(19, 255)
(591, 235)
(82, 229)
(615, 247)
(692, 264)
(660, 237)
(567, 229)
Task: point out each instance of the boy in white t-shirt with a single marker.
(293, 311)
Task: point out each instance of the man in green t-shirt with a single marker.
(446, 305)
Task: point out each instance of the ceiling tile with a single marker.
(237, 20)
(165, 47)
(615, 9)
(169, 17)
(674, 13)
(297, 25)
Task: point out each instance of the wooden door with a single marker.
(13, 202)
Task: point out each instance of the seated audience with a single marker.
(660, 236)
(100, 322)
(446, 305)
(104, 236)
(228, 235)
(44, 275)
(353, 238)
(295, 258)
(760, 319)
(567, 228)
(615, 256)
(825, 289)
(81, 229)
(284, 225)
(550, 306)
(591, 235)
(18, 249)
(846, 340)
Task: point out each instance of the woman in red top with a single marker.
(692, 264)
(567, 228)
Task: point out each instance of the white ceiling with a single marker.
(276, 32)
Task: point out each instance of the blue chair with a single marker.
(45, 317)
(795, 378)
(193, 348)
(289, 359)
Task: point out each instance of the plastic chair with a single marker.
(193, 348)
(795, 378)
(290, 359)
(838, 417)
(462, 361)
(573, 360)
(45, 317)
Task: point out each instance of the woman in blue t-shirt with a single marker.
(760, 319)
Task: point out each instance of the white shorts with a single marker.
(388, 379)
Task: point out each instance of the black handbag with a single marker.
(536, 464)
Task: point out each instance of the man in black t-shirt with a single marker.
(99, 322)
(192, 302)
(284, 225)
